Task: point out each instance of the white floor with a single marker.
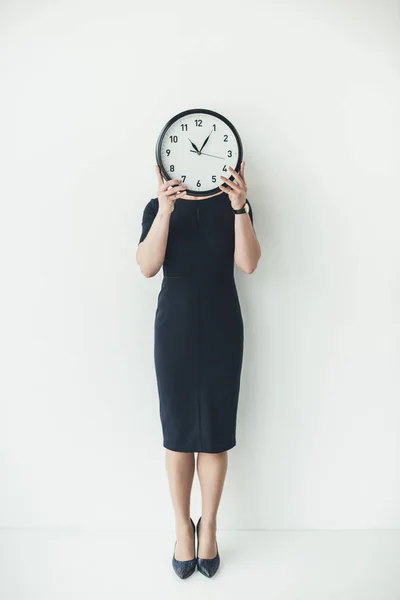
(284, 565)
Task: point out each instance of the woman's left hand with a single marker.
(237, 189)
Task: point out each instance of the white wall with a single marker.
(313, 88)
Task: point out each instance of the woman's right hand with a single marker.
(167, 194)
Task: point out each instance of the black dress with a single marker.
(198, 328)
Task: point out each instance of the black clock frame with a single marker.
(183, 114)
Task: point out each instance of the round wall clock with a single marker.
(197, 146)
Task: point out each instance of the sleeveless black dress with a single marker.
(198, 328)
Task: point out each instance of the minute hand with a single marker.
(203, 153)
(206, 140)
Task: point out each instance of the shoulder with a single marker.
(152, 203)
(151, 207)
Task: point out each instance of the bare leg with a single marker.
(180, 470)
(212, 470)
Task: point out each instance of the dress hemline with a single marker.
(202, 451)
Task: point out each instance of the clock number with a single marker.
(173, 138)
(168, 151)
(225, 138)
(172, 168)
(198, 122)
(215, 127)
(214, 178)
(229, 153)
(224, 169)
(198, 183)
(184, 126)
(183, 178)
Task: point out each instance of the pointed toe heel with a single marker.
(207, 566)
(184, 568)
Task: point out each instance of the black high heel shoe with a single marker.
(185, 568)
(207, 566)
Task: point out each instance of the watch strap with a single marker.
(240, 211)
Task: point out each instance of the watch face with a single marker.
(198, 146)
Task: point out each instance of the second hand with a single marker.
(205, 154)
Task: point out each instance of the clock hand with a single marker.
(206, 140)
(194, 146)
(204, 154)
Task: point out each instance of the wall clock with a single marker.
(197, 146)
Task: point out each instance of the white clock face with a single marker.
(198, 148)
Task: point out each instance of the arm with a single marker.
(150, 253)
(247, 247)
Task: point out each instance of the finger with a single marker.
(229, 182)
(174, 190)
(242, 174)
(170, 182)
(159, 175)
(242, 171)
(237, 177)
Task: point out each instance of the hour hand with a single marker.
(194, 145)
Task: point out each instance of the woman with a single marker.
(198, 344)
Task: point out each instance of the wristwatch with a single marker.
(245, 209)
